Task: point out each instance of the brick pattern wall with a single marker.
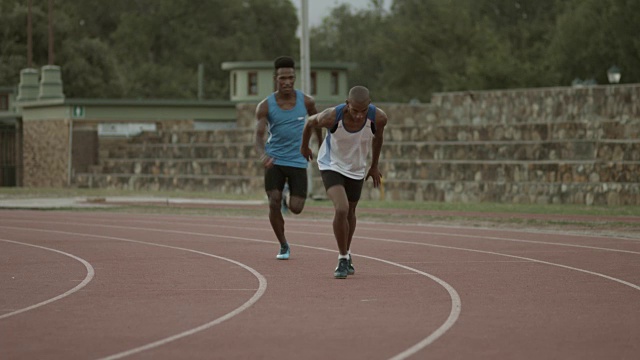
(562, 145)
(46, 153)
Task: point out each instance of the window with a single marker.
(253, 83)
(313, 87)
(4, 102)
(234, 84)
(334, 83)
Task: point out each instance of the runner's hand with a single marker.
(267, 161)
(375, 175)
(307, 153)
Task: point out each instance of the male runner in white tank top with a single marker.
(354, 127)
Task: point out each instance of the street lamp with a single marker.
(614, 75)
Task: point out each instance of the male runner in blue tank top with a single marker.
(342, 160)
(283, 115)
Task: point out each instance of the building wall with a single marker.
(46, 153)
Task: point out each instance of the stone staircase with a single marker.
(543, 163)
(491, 151)
(215, 160)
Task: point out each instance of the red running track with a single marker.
(108, 286)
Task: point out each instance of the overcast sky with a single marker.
(319, 9)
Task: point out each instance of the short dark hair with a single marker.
(284, 62)
(359, 94)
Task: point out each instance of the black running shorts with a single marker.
(352, 187)
(276, 176)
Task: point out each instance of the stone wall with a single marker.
(46, 153)
(559, 145)
(176, 157)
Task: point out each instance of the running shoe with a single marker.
(342, 270)
(284, 206)
(351, 270)
(284, 253)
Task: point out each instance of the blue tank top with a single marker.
(285, 132)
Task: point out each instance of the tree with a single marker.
(152, 48)
(161, 42)
(13, 35)
(147, 48)
(593, 35)
(354, 36)
(89, 70)
(524, 27)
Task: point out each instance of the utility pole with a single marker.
(51, 54)
(200, 81)
(306, 72)
(29, 38)
(304, 48)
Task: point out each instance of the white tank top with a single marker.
(346, 152)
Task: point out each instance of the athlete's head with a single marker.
(285, 74)
(284, 62)
(358, 102)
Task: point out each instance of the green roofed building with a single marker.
(252, 81)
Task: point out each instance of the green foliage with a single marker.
(146, 48)
(593, 35)
(89, 69)
(152, 48)
(13, 39)
(425, 46)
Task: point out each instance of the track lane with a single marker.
(470, 294)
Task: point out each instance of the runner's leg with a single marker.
(297, 179)
(274, 180)
(341, 229)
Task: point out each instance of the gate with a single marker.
(10, 154)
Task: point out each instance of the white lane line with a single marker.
(579, 234)
(483, 237)
(256, 296)
(456, 308)
(87, 279)
(466, 262)
(456, 303)
(429, 340)
(525, 231)
(260, 291)
(173, 289)
(314, 222)
(623, 282)
(512, 240)
(406, 232)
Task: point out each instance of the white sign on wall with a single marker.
(124, 130)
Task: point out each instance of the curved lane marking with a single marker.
(525, 231)
(514, 240)
(623, 282)
(454, 314)
(261, 289)
(459, 235)
(257, 295)
(419, 233)
(87, 279)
